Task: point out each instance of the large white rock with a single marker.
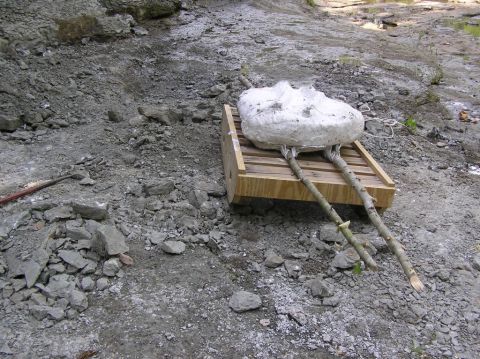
(302, 118)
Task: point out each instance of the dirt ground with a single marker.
(139, 113)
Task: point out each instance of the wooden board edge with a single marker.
(249, 186)
(227, 114)
(373, 164)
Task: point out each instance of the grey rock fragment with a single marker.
(319, 288)
(57, 267)
(331, 301)
(476, 262)
(111, 267)
(77, 233)
(215, 90)
(273, 260)
(78, 300)
(34, 267)
(73, 258)
(10, 123)
(39, 311)
(58, 213)
(109, 240)
(197, 198)
(157, 237)
(330, 233)
(56, 313)
(38, 299)
(91, 209)
(102, 283)
(243, 301)
(212, 188)
(346, 259)
(162, 114)
(88, 284)
(59, 285)
(160, 187)
(12, 222)
(173, 247)
(293, 268)
(5, 349)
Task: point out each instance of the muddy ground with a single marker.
(75, 107)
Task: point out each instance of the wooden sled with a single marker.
(252, 172)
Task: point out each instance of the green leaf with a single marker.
(357, 268)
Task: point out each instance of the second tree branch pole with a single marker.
(290, 156)
(333, 155)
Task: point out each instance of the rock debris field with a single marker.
(141, 256)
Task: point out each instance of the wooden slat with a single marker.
(227, 113)
(257, 185)
(308, 165)
(324, 176)
(373, 164)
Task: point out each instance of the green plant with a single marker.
(349, 60)
(437, 76)
(357, 268)
(410, 124)
(244, 70)
(311, 3)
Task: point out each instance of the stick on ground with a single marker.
(329, 210)
(333, 155)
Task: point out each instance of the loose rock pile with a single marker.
(77, 255)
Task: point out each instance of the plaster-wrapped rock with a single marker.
(302, 118)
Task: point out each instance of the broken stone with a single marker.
(91, 209)
(83, 244)
(34, 267)
(102, 283)
(78, 300)
(331, 301)
(197, 198)
(56, 313)
(212, 188)
(476, 262)
(215, 90)
(73, 258)
(329, 233)
(57, 267)
(77, 233)
(111, 267)
(157, 237)
(162, 114)
(318, 288)
(90, 268)
(10, 123)
(273, 260)
(109, 240)
(38, 299)
(346, 259)
(87, 284)
(39, 311)
(243, 301)
(173, 247)
(12, 222)
(58, 213)
(160, 187)
(59, 286)
(293, 269)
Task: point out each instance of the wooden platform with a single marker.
(251, 172)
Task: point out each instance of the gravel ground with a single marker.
(130, 97)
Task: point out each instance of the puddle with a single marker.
(471, 26)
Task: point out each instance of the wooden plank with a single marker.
(277, 188)
(227, 113)
(307, 165)
(334, 177)
(373, 164)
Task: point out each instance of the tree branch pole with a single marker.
(342, 226)
(333, 155)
